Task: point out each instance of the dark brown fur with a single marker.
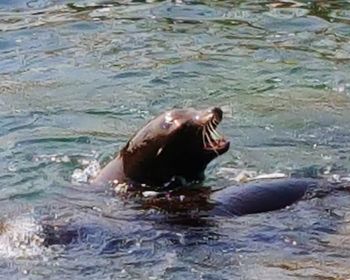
(171, 146)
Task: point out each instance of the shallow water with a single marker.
(77, 79)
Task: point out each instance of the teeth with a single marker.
(211, 144)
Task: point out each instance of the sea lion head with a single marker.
(176, 144)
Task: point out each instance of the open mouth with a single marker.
(212, 139)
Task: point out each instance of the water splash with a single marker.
(80, 176)
(20, 238)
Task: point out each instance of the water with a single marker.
(77, 78)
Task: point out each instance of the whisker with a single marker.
(214, 132)
(212, 129)
(203, 135)
(211, 143)
(207, 137)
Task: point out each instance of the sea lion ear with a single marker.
(129, 147)
(126, 148)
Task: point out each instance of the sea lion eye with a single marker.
(166, 125)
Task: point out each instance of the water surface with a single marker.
(77, 78)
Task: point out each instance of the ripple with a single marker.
(187, 13)
(341, 16)
(11, 21)
(77, 79)
(295, 24)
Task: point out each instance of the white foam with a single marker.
(84, 175)
(20, 238)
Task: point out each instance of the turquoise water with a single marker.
(77, 78)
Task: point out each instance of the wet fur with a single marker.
(153, 156)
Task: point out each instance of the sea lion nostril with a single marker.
(217, 113)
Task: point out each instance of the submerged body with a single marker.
(261, 196)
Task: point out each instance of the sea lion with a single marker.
(175, 146)
(170, 150)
